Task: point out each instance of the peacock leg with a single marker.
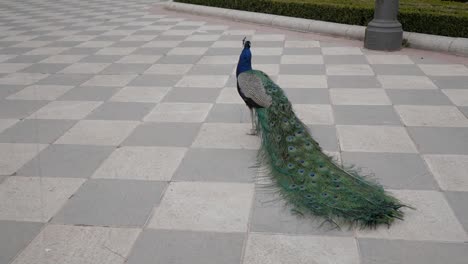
(253, 130)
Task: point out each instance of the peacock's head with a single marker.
(245, 58)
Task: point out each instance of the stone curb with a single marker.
(458, 46)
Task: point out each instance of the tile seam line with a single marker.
(416, 40)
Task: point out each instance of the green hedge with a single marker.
(423, 16)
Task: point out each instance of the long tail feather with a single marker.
(309, 179)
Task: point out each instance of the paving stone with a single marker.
(65, 110)
(353, 82)
(450, 82)
(15, 237)
(200, 247)
(182, 208)
(433, 116)
(121, 111)
(40, 92)
(405, 82)
(365, 115)
(396, 69)
(36, 131)
(457, 201)
(359, 97)
(111, 203)
(142, 94)
(449, 171)
(428, 140)
(444, 70)
(418, 97)
(225, 136)
(190, 95)
(89, 93)
(19, 108)
(458, 97)
(163, 134)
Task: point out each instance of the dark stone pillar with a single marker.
(384, 32)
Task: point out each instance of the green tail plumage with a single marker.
(309, 179)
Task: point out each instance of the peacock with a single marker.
(308, 179)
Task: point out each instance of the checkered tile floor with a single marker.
(123, 139)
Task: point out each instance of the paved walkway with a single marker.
(123, 140)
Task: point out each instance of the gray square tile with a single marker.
(196, 44)
(265, 59)
(302, 51)
(272, 215)
(111, 203)
(345, 59)
(325, 136)
(65, 79)
(418, 97)
(121, 111)
(429, 140)
(89, 93)
(163, 134)
(27, 58)
(151, 51)
(464, 110)
(126, 44)
(217, 165)
(308, 96)
(180, 59)
(224, 51)
(365, 115)
(155, 80)
(45, 68)
(19, 108)
(302, 69)
(123, 68)
(163, 246)
(353, 82)
(14, 51)
(191, 95)
(229, 113)
(15, 236)
(77, 161)
(396, 69)
(458, 202)
(80, 51)
(101, 58)
(383, 251)
(7, 90)
(36, 131)
(450, 82)
(395, 171)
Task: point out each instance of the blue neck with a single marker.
(245, 61)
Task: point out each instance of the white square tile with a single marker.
(349, 70)
(63, 59)
(140, 94)
(80, 244)
(6, 57)
(450, 171)
(268, 37)
(302, 81)
(187, 51)
(41, 92)
(227, 44)
(117, 32)
(279, 249)
(359, 97)
(98, 132)
(35, 199)
(85, 68)
(444, 69)
(138, 38)
(228, 136)
(161, 44)
(115, 51)
(214, 27)
(433, 116)
(302, 59)
(433, 219)
(405, 82)
(229, 95)
(388, 59)
(95, 44)
(175, 69)
(6, 123)
(110, 80)
(203, 37)
(173, 32)
(149, 59)
(32, 44)
(77, 38)
(240, 32)
(12, 67)
(179, 112)
(375, 139)
(203, 81)
(222, 207)
(301, 44)
(65, 110)
(457, 96)
(14, 156)
(314, 114)
(218, 60)
(141, 163)
(341, 51)
(22, 78)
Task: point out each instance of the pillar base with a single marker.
(383, 35)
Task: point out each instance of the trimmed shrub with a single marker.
(423, 16)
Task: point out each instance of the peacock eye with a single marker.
(300, 171)
(312, 174)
